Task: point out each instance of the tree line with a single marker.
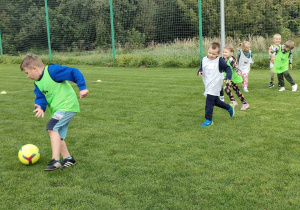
(85, 24)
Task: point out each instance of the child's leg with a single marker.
(55, 144)
(222, 104)
(63, 149)
(245, 79)
(209, 106)
(280, 79)
(229, 108)
(222, 92)
(57, 128)
(63, 146)
(228, 92)
(288, 77)
(272, 75)
(238, 93)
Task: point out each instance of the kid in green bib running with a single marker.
(53, 90)
(228, 51)
(282, 63)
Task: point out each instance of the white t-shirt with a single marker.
(244, 62)
(211, 76)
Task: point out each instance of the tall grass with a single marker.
(180, 53)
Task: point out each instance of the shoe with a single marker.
(231, 110)
(294, 87)
(234, 103)
(53, 165)
(68, 162)
(207, 123)
(245, 89)
(282, 89)
(270, 85)
(245, 106)
(222, 98)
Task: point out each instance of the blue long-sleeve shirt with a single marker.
(59, 73)
(223, 67)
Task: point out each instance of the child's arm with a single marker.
(60, 73)
(40, 102)
(274, 51)
(238, 55)
(223, 67)
(235, 66)
(271, 56)
(291, 60)
(251, 57)
(199, 73)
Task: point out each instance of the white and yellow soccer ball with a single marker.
(29, 154)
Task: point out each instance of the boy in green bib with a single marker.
(282, 63)
(53, 90)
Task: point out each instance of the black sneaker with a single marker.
(68, 162)
(270, 85)
(53, 165)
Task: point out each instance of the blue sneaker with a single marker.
(207, 123)
(231, 110)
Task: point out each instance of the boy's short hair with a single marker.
(215, 45)
(229, 47)
(276, 35)
(290, 44)
(31, 60)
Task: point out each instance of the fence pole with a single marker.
(112, 29)
(222, 12)
(1, 49)
(48, 30)
(200, 30)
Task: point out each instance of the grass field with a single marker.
(139, 145)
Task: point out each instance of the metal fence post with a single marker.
(112, 29)
(48, 30)
(1, 49)
(222, 12)
(200, 29)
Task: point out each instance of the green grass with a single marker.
(139, 145)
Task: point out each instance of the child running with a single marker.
(54, 91)
(244, 59)
(212, 72)
(282, 63)
(228, 51)
(276, 43)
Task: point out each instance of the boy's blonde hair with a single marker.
(229, 47)
(244, 44)
(276, 35)
(31, 60)
(290, 44)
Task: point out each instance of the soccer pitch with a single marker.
(138, 145)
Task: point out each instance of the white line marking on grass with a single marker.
(115, 82)
(20, 91)
(11, 76)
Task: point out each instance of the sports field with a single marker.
(138, 145)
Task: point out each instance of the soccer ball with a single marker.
(29, 154)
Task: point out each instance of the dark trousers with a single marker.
(287, 76)
(212, 101)
(222, 92)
